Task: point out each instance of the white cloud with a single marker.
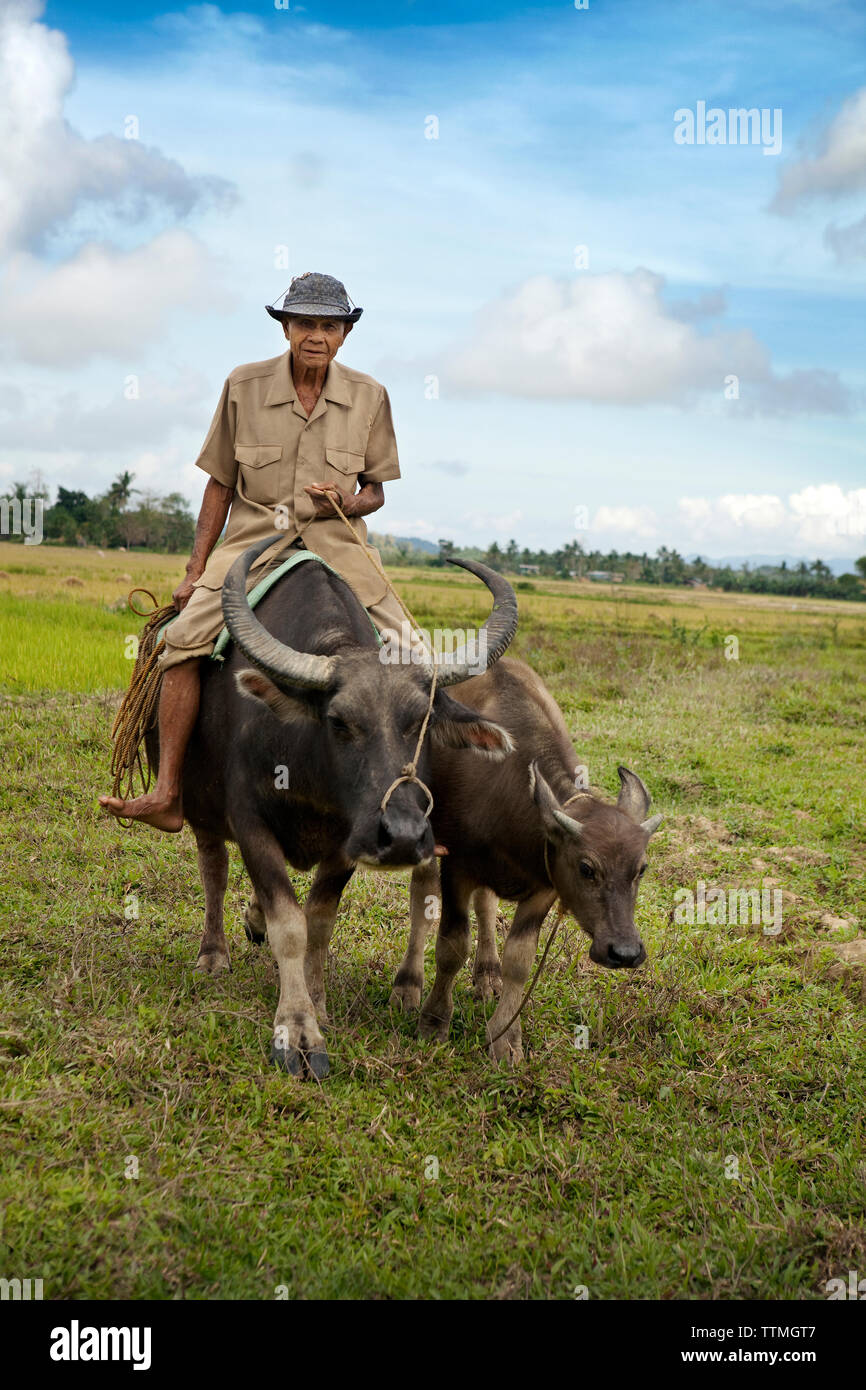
(826, 512)
(144, 410)
(102, 302)
(838, 169)
(753, 511)
(632, 521)
(822, 519)
(489, 521)
(611, 338)
(824, 516)
(48, 172)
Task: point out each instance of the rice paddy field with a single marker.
(692, 1130)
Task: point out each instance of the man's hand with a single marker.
(183, 593)
(322, 500)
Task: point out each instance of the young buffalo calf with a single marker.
(518, 830)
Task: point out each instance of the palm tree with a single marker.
(121, 490)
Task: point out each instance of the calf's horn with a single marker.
(304, 670)
(498, 631)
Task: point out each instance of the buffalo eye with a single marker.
(340, 727)
(586, 870)
(642, 870)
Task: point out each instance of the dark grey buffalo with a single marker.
(300, 733)
(520, 831)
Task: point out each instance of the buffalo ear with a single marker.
(289, 709)
(634, 799)
(453, 725)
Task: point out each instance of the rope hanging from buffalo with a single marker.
(560, 913)
(138, 708)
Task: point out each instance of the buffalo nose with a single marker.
(624, 955)
(402, 839)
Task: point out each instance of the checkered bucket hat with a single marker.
(317, 297)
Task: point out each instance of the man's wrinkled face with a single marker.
(314, 342)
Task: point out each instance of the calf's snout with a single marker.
(627, 956)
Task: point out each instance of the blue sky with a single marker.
(579, 388)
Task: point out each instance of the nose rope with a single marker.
(409, 771)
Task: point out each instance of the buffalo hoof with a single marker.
(487, 982)
(406, 996)
(433, 1029)
(213, 963)
(507, 1050)
(286, 1058)
(254, 923)
(318, 1064)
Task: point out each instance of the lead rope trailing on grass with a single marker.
(138, 707)
(560, 913)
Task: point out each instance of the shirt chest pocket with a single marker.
(344, 466)
(260, 472)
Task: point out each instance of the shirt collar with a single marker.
(282, 387)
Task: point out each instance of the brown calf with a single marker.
(519, 830)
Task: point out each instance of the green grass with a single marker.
(602, 1167)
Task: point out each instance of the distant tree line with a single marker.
(165, 523)
(571, 561)
(111, 519)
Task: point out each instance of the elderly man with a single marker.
(287, 435)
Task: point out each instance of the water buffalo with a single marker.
(510, 835)
(291, 758)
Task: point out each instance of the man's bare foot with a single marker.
(166, 813)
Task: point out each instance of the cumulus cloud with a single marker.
(102, 302)
(826, 512)
(824, 515)
(837, 170)
(823, 519)
(612, 338)
(144, 411)
(839, 167)
(634, 521)
(48, 172)
(492, 521)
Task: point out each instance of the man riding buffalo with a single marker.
(287, 436)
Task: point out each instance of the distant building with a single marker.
(605, 577)
(529, 569)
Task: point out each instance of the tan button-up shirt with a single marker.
(262, 444)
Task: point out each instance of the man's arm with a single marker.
(211, 520)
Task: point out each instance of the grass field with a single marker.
(706, 1144)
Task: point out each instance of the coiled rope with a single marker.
(138, 707)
